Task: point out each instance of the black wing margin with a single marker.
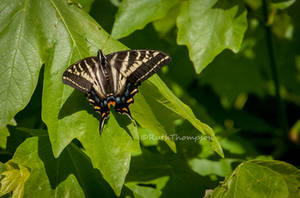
(149, 66)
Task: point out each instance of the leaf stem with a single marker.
(281, 110)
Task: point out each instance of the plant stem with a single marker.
(281, 110)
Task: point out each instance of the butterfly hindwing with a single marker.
(85, 75)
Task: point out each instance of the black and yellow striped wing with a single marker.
(86, 75)
(134, 66)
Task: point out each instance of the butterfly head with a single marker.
(101, 57)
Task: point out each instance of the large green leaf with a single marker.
(64, 110)
(207, 27)
(60, 120)
(21, 38)
(261, 179)
(133, 15)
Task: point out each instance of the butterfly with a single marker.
(113, 79)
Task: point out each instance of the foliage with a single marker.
(246, 101)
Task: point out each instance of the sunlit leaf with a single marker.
(208, 27)
(20, 55)
(133, 15)
(261, 179)
(14, 178)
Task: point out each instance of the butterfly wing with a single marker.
(88, 76)
(85, 75)
(134, 66)
(128, 69)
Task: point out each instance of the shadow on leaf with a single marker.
(72, 161)
(75, 102)
(157, 163)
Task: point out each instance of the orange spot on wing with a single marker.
(124, 109)
(103, 114)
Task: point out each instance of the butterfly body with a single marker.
(113, 80)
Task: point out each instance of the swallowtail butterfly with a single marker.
(113, 79)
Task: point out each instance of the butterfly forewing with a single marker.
(134, 66)
(86, 74)
(151, 63)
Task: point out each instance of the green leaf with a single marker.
(20, 55)
(174, 104)
(206, 167)
(14, 178)
(259, 178)
(71, 174)
(60, 120)
(290, 174)
(134, 15)
(67, 117)
(149, 112)
(208, 27)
